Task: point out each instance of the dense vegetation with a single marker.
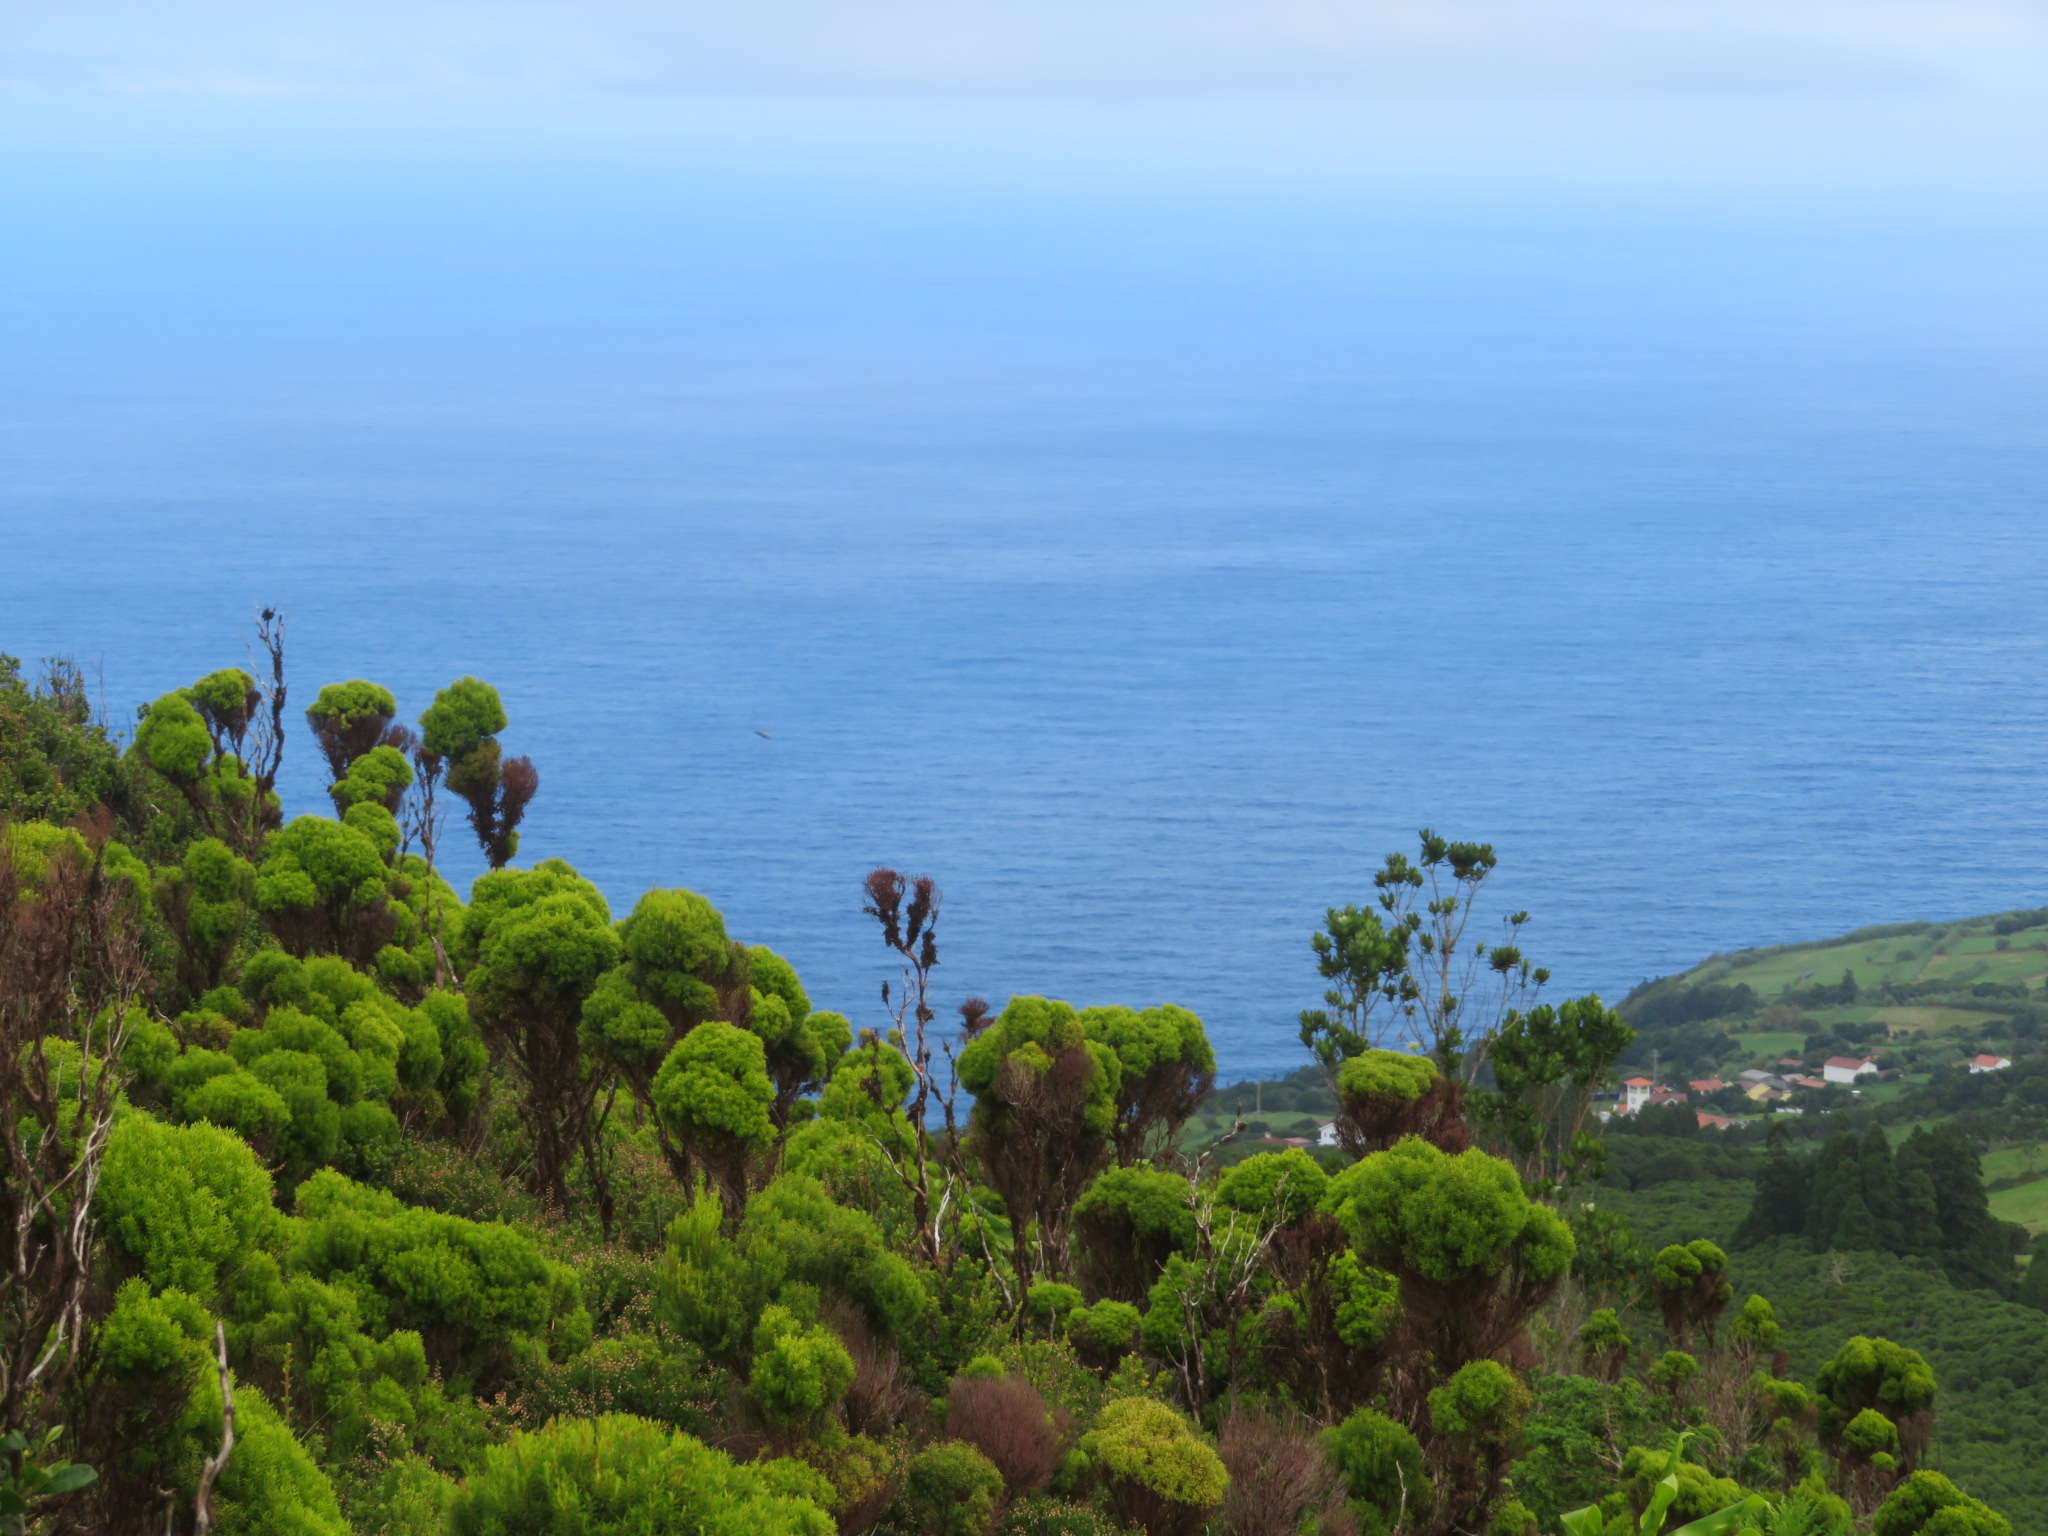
(338, 1202)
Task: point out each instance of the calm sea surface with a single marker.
(1144, 570)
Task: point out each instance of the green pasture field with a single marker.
(1763, 1047)
(2011, 1162)
(2026, 1204)
(1963, 951)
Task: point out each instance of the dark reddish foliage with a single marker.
(1006, 1419)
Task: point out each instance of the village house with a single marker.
(1707, 1085)
(1988, 1064)
(1848, 1069)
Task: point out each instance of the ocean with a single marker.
(1143, 565)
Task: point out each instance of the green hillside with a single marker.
(1922, 998)
(2005, 948)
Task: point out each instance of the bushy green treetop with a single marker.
(616, 1475)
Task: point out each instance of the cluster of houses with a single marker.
(1760, 1087)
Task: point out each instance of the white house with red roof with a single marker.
(1848, 1069)
(1989, 1063)
(1635, 1093)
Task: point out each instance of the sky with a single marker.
(1927, 94)
(1038, 48)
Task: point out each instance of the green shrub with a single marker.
(1048, 1303)
(1382, 1469)
(950, 1489)
(1104, 1333)
(1127, 1224)
(621, 1476)
(481, 1295)
(799, 1369)
(1700, 1493)
(184, 1204)
(1157, 1473)
(1928, 1504)
(1283, 1186)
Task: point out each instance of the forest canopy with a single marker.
(341, 1200)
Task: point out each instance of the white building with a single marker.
(1326, 1134)
(1635, 1093)
(1988, 1063)
(1848, 1069)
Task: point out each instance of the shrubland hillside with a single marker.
(340, 1200)
(1913, 1205)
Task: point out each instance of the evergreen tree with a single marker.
(1974, 1246)
(1784, 1187)
(1881, 1193)
(1856, 1230)
(1920, 1215)
(2033, 1287)
(1836, 1177)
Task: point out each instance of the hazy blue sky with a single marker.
(1926, 92)
(1035, 47)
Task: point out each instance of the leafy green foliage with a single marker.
(462, 726)
(481, 1295)
(1472, 1252)
(1158, 1473)
(1546, 1064)
(1382, 1468)
(30, 1475)
(535, 944)
(1165, 1069)
(54, 761)
(744, 1221)
(621, 1476)
(951, 1489)
(713, 1096)
(350, 721)
(186, 1204)
(1286, 1185)
(799, 1369)
(1127, 1224)
(1045, 1113)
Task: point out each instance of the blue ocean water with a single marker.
(1142, 567)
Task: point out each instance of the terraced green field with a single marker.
(1970, 950)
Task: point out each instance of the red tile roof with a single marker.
(1849, 1063)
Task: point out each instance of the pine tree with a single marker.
(1881, 1193)
(1857, 1231)
(1974, 1246)
(1920, 1214)
(1784, 1186)
(1837, 1176)
(2033, 1286)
